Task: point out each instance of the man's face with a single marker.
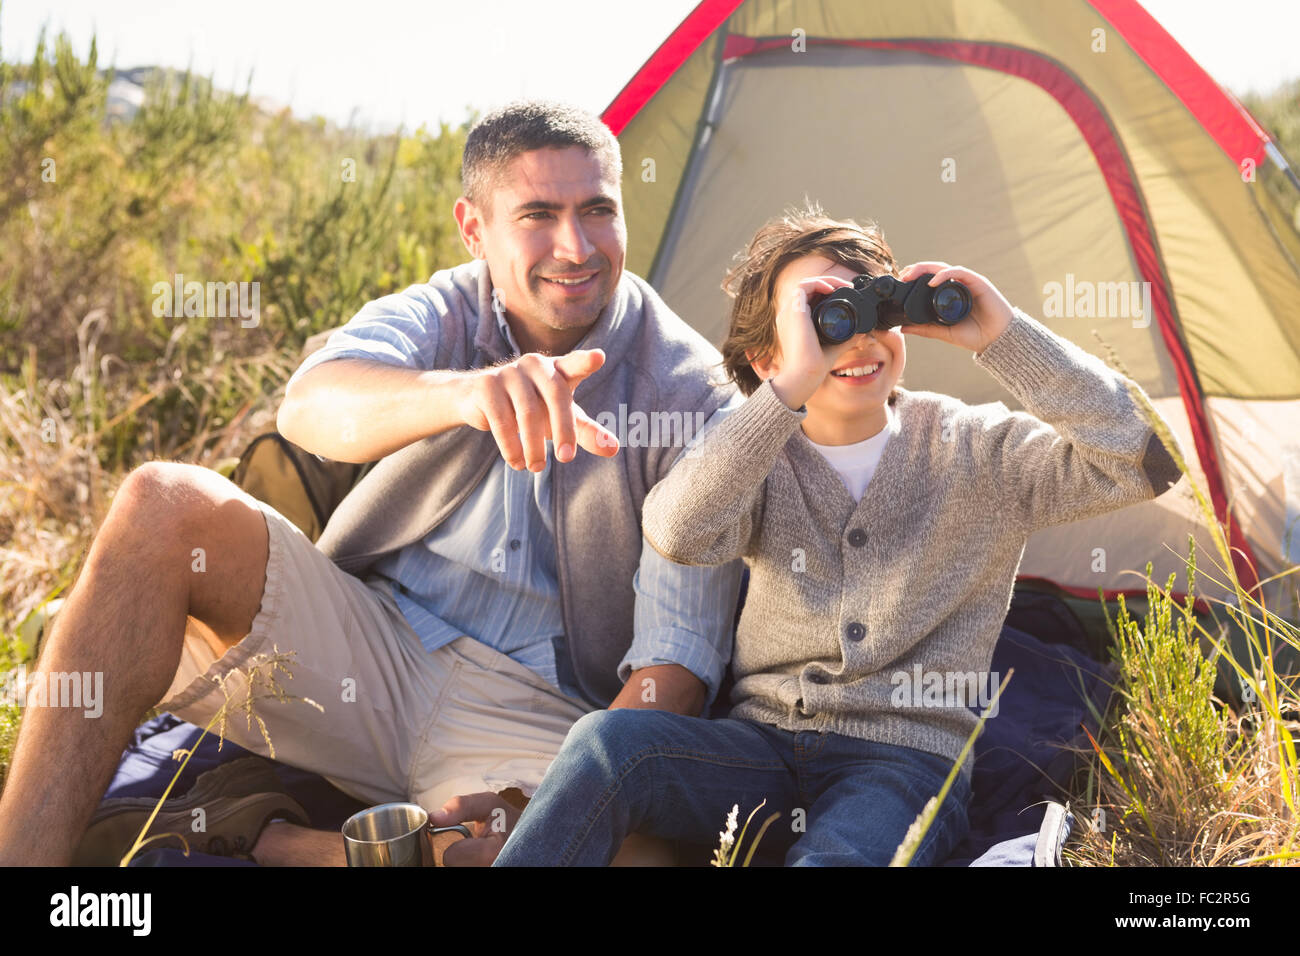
(555, 242)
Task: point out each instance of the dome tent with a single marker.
(1071, 152)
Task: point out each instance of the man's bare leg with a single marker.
(125, 618)
(284, 844)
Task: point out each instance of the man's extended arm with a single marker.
(352, 409)
(359, 410)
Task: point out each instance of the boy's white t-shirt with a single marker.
(856, 463)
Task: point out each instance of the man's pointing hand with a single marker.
(526, 401)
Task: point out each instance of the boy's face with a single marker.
(555, 242)
(842, 399)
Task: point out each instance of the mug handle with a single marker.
(455, 827)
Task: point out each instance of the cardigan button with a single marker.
(856, 631)
(817, 678)
(857, 537)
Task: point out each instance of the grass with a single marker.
(200, 183)
(1182, 777)
(9, 717)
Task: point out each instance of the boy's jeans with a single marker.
(842, 801)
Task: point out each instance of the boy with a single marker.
(883, 529)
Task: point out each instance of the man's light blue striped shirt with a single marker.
(489, 570)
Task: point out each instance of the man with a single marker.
(503, 563)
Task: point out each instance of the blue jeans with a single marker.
(842, 801)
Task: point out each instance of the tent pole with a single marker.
(685, 186)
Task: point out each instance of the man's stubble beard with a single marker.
(567, 320)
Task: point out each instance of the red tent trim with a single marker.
(1093, 124)
(1235, 130)
(664, 62)
(1232, 127)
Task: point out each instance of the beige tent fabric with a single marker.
(1157, 531)
(1034, 177)
(654, 159)
(1260, 447)
(867, 133)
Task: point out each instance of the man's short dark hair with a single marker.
(525, 125)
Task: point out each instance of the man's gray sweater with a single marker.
(654, 363)
(850, 602)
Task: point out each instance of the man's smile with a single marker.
(574, 284)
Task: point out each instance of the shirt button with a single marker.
(857, 537)
(856, 631)
(514, 544)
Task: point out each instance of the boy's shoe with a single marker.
(237, 798)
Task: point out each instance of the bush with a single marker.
(97, 212)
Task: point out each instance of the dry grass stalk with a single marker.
(260, 672)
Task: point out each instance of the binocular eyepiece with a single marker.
(886, 302)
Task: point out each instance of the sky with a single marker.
(348, 62)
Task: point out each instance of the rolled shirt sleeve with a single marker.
(684, 615)
(399, 329)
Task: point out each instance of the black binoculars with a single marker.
(885, 302)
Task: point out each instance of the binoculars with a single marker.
(886, 302)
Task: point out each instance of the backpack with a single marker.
(293, 481)
(302, 487)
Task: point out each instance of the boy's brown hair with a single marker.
(751, 282)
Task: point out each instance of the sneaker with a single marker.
(238, 799)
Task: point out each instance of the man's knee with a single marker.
(170, 503)
(587, 737)
(598, 731)
(205, 529)
(164, 497)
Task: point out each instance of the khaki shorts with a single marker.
(398, 722)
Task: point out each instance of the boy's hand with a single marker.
(990, 312)
(804, 362)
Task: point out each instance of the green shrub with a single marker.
(95, 212)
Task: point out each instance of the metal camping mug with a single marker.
(392, 834)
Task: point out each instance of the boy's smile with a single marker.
(850, 405)
(859, 372)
